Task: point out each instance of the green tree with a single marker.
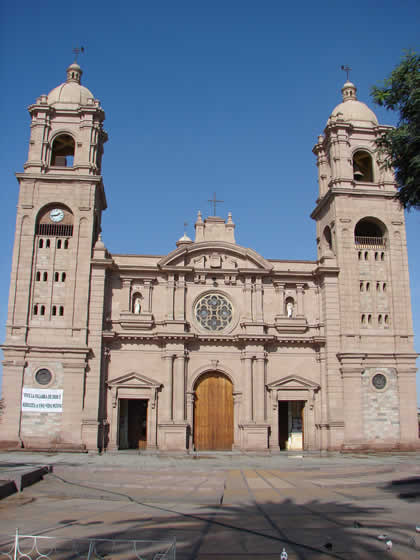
(401, 145)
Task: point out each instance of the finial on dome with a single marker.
(349, 92)
(199, 218)
(229, 220)
(74, 73)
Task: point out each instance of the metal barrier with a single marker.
(36, 547)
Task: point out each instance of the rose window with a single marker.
(214, 312)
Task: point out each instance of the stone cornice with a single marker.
(356, 192)
(54, 177)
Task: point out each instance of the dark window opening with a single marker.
(45, 276)
(63, 151)
(61, 311)
(63, 276)
(42, 309)
(41, 243)
(54, 310)
(56, 277)
(35, 310)
(362, 167)
(368, 234)
(47, 244)
(38, 276)
(58, 243)
(66, 244)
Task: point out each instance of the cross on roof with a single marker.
(347, 70)
(77, 51)
(214, 201)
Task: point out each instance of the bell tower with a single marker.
(61, 199)
(361, 233)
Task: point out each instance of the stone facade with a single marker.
(211, 346)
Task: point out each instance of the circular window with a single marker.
(379, 381)
(213, 312)
(43, 376)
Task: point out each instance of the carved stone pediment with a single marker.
(215, 255)
(134, 380)
(293, 382)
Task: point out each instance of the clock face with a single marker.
(56, 215)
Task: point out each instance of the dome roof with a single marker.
(352, 110)
(71, 91)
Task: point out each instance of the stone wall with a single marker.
(380, 406)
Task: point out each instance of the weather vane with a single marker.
(347, 70)
(214, 201)
(185, 227)
(77, 51)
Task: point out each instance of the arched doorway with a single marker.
(213, 412)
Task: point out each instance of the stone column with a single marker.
(180, 298)
(279, 287)
(148, 296)
(126, 295)
(300, 311)
(165, 404)
(190, 416)
(247, 376)
(237, 400)
(13, 382)
(248, 299)
(258, 299)
(259, 389)
(73, 388)
(274, 407)
(113, 415)
(151, 428)
(170, 287)
(179, 387)
(353, 414)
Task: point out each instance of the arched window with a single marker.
(61, 311)
(362, 167)
(38, 276)
(63, 276)
(66, 244)
(327, 239)
(42, 309)
(45, 276)
(41, 243)
(62, 154)
(54, 310)
(47, 244)
(35, 310)
(368, 286)
(58, 243)
(56, 277)
(361, 286)
(370, 233)
(380, 320)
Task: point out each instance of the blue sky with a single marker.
(202, 96)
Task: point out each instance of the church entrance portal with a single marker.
(133, 424)
(291, 424)
(213, 413)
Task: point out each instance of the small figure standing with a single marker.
(289, 308)
(137, 306)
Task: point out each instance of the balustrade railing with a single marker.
(367, 242)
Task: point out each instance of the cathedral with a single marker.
(212, 346)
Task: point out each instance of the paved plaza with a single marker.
(225, 506)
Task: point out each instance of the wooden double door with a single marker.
(213, 413)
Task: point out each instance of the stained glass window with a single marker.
(213, 312)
